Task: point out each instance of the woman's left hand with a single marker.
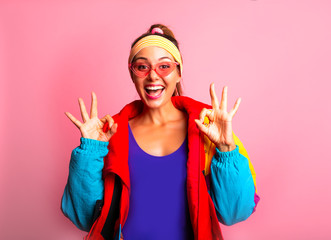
(219, 129)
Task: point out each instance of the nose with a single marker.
(153, 75)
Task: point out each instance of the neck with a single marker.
(160, 116)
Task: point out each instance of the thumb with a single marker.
(109, 127)
(108, 122)
(112, 130)
(105, 127)
(201, 126)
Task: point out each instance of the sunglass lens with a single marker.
(141, 69)
(165, 68)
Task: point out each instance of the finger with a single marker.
(94, 110)
(206, 113)
(224, 101)
(113, 127)
(83, 110)
(108, 122)
(235, 108)
(213, 96)
(105, 127)
(109, 127)
(203, 128)
(73, 119)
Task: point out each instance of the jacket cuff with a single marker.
(91, 144)
(226, 156)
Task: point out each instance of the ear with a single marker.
(179, 79)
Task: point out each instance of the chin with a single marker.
(155, 100)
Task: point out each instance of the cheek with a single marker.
(174, 77)
(138, 84)
(174, 80)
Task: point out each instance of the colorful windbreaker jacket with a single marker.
(205, 206)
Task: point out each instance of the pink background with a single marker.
(274, 54)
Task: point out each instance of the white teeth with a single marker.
(153, 88)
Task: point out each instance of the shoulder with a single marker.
(130, 110)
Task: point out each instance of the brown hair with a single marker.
(168, 34)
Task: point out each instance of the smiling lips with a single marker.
(154, 91)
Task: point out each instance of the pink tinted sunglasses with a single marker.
(163, 69)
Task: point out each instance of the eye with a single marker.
(141, 67)
(164, 66)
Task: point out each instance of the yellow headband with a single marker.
(157, 41)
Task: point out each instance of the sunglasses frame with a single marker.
(131, 67)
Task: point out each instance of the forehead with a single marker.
(153, 53)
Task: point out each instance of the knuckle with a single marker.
(109, 118)
(203, 111)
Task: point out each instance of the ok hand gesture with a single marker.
(219, 129)
(93, 126)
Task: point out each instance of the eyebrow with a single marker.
(140, 58)
(165, 57)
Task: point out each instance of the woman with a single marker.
(172, 169)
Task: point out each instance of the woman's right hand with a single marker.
(93, 126)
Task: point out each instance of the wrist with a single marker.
(226, 148)
(92, 144)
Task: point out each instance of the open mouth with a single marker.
(154, 91)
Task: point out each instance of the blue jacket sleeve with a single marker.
(232, 187)
(85, 185)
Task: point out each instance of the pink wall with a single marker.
(274, 54)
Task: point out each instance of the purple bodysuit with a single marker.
(158, 201)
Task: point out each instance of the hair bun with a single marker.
(157, 30)
(160, 29)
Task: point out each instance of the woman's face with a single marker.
(154, 90)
